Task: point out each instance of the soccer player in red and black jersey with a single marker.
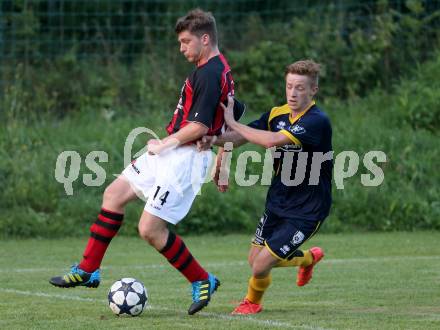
(171, 173)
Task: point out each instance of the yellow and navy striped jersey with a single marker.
(301, 185)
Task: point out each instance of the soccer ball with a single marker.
(127, 296)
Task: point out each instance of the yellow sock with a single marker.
(301, 258)
(257, 287)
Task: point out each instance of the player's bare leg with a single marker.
(262, 262)
(154, 230)
(118, 194)
(253, 253)
(87, 273)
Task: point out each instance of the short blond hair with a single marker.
(307, 68)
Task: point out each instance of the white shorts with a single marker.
(169, 182)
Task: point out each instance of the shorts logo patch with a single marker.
(156, 207)
(134, 167)
(258, 238)
(259, 231)
(297, 238)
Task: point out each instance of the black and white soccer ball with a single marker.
(127, 296)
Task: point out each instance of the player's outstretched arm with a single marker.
(233, 137)
(265, 139)
(230, 136)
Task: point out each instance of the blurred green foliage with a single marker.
(356, 58)
(379, 86)
(34, 204)
(361, 47)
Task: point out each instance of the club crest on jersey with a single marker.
(281, 125)
(297, 238)
(296, 129)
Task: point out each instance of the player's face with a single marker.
(190, 46)
(299, 91)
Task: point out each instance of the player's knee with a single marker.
(259, 272)
(108, 194)
(260, 268)
(150, 234)
(146, 233)
(112, 197)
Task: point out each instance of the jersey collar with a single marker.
(299, 115)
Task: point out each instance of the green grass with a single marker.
(366, 281)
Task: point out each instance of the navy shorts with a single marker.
(283, 236)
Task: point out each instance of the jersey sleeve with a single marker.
(239, 109)
(306, 131)
(206, 98)
(262, 123)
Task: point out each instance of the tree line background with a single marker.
(79, 75)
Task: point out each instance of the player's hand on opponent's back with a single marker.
(229, 111)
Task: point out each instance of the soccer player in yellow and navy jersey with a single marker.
(295, 209)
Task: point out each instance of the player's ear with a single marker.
(205, 39)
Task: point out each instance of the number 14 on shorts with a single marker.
(163, 197)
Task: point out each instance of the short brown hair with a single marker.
(305, 68)
(198, 22)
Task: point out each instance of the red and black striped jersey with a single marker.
(201, 94)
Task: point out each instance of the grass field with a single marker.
(366, 281)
